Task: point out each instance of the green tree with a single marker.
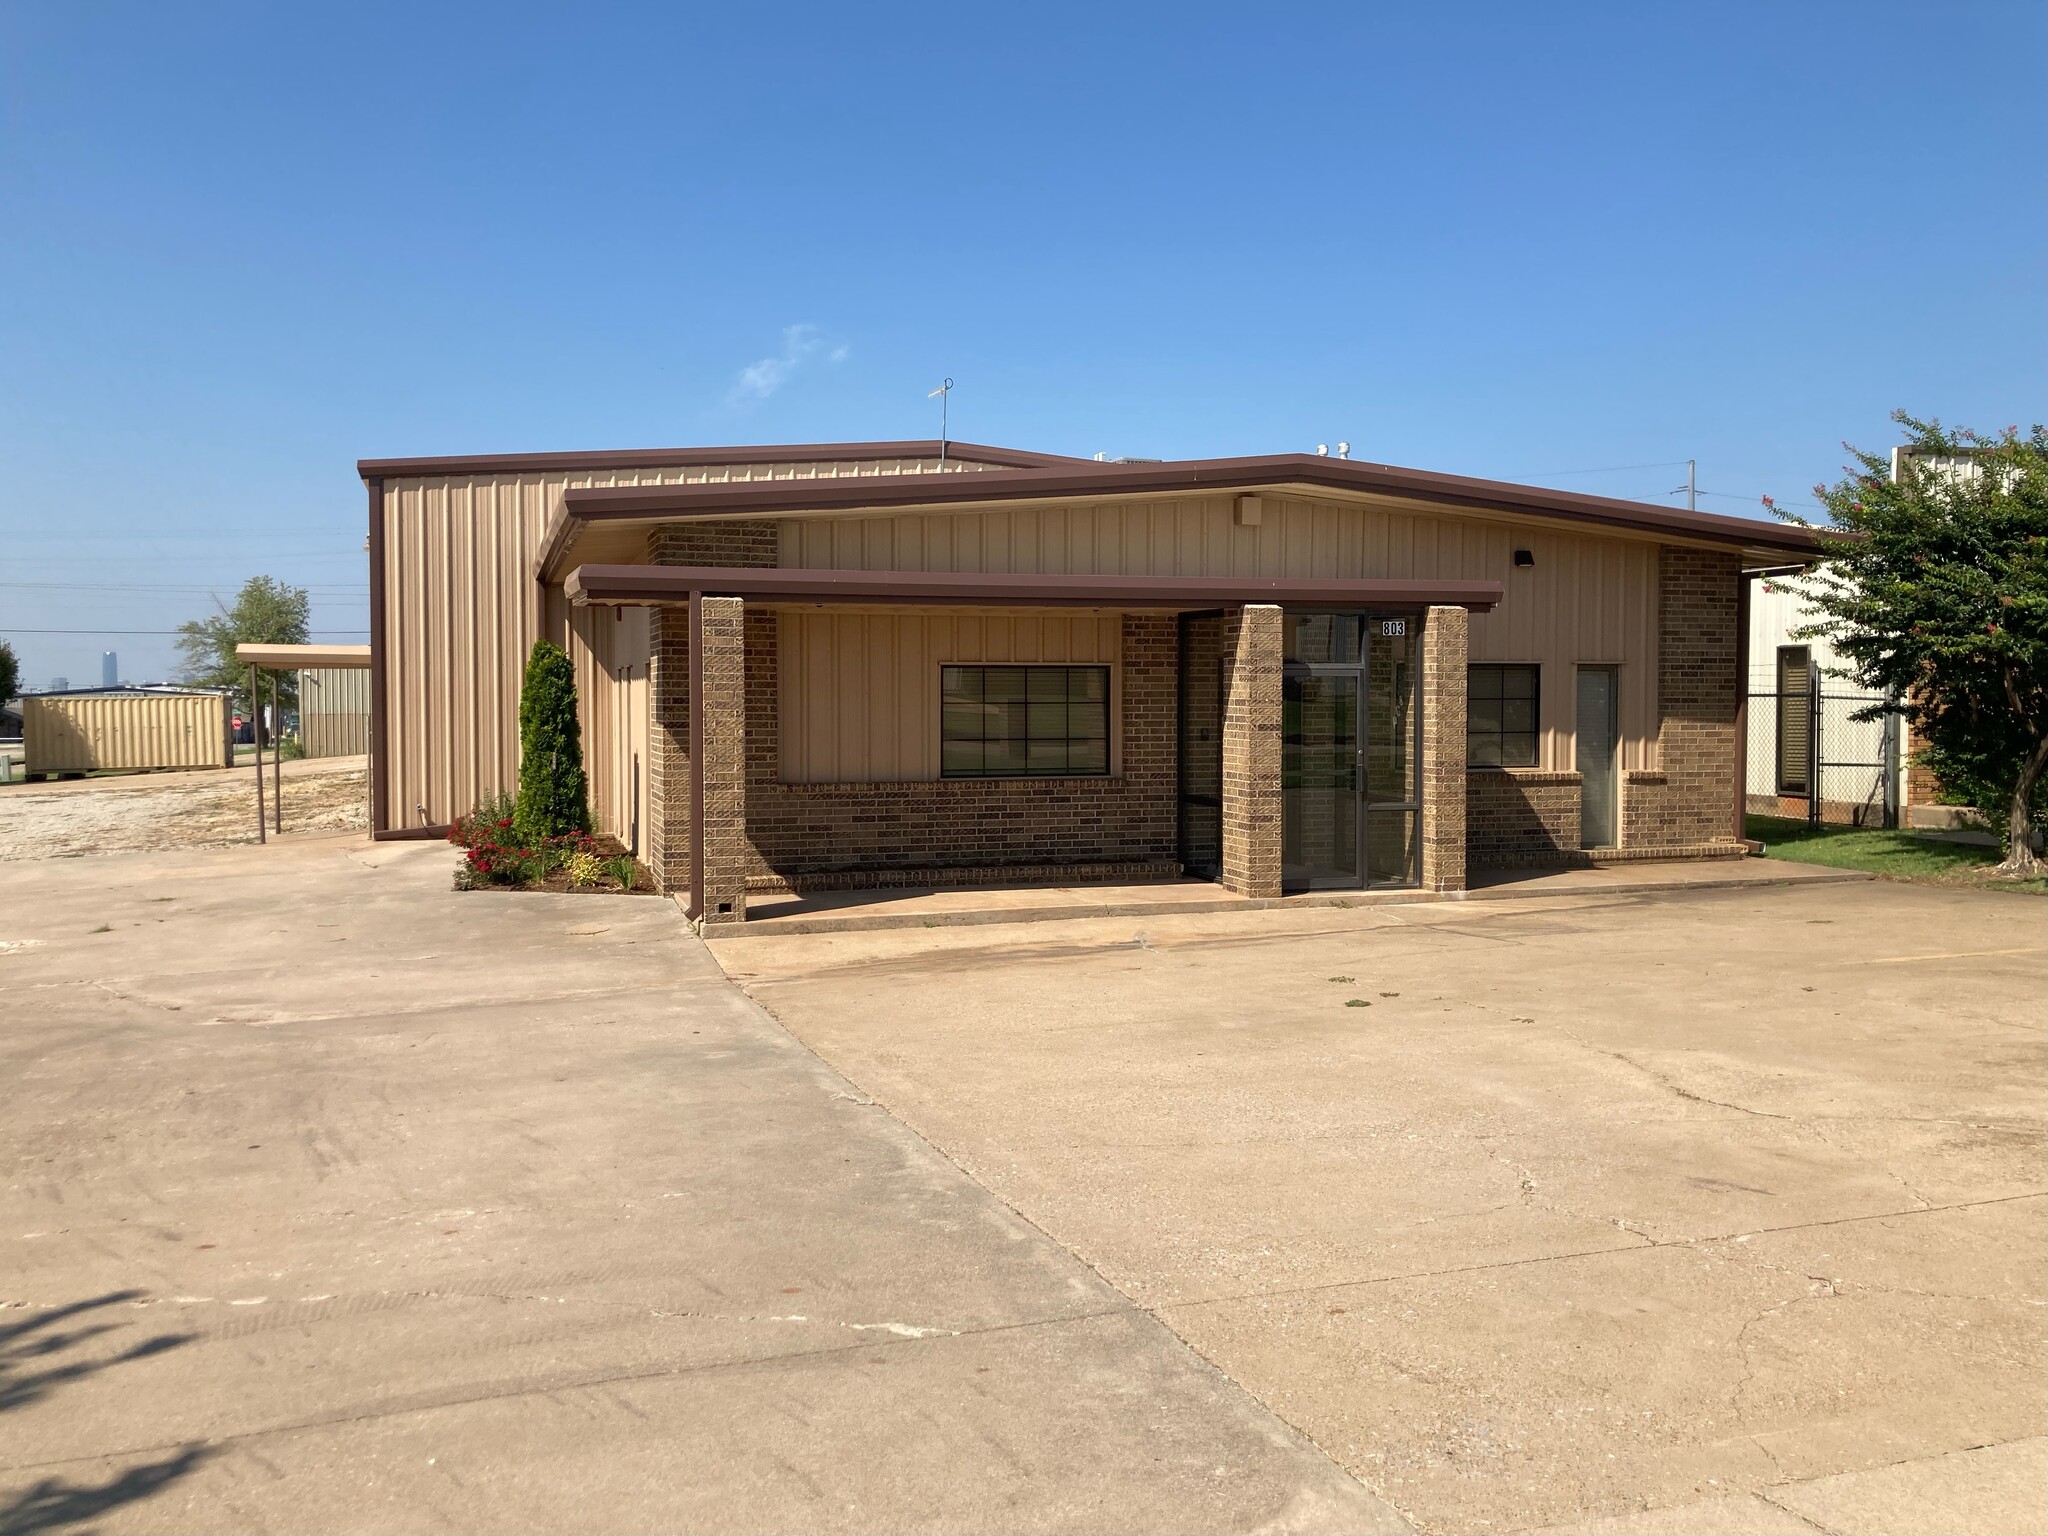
(10, 672)
(553, 794)
(265, 612)
(1941, 598)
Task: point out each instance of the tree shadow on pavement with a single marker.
(39, 1355)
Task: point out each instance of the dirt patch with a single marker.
(170, 811)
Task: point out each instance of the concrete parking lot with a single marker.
(337, 1200)
(1726, 1206)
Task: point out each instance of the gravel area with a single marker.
(155, 812)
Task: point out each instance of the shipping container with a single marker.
(94, 732)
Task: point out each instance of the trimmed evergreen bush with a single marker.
(554, 796)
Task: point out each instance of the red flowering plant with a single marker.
(495, 854)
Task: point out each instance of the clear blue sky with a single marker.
(242, 245)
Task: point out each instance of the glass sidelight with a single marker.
(1598, 734)
(1349, 751)
(1201, 744)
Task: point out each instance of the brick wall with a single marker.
(1690, 798)
(1444, 835)
(1521, 817)
(1253, 642)
(807, 836)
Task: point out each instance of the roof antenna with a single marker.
(944, 395)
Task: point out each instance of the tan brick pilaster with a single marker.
(1444, 650)
(1252, 643)
(719, 738)
(668, 750)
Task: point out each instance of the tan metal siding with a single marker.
(860, 691)
(462, 610)
(334, 711)
(1590, 598)
(610, 649)
(88, 733)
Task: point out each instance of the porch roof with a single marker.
(977, 589)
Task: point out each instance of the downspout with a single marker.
(1742, 601)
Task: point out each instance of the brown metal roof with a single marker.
(1077, 478)
(783, 584)
(656, 458)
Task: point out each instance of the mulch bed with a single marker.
(557, 881)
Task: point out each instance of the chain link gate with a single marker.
(1810, 757)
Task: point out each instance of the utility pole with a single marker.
(1691, 487)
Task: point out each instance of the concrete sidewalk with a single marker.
(340, 1201)
(878, 910)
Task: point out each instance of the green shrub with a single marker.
(620, 868)
(554, 797)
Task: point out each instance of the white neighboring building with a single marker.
(1796, 684)
(1800, 725)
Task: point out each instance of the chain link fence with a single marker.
(1812, 759)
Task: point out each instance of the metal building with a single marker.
(941, 663)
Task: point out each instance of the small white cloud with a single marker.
(801, 344)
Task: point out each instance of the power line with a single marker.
(1607, 469)
(114, 586)
(324, 634)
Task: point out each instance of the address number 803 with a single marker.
(1393, 627)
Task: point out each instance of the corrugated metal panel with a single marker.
(462, 611)
(86, 733)
(334, 711)
(610, 649)
(860, 691)
(1589, 599)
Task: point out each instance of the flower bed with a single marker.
(496, 858)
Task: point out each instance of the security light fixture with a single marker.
(1525, 559)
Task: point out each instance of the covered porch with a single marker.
(1155, 728)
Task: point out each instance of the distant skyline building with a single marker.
(110, 669)
(59, 684)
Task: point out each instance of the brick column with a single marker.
(1252, 649)
(719, 738)
(668, 748)
(1444, 650)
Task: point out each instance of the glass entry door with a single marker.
(1321, 770)
(1348, 751)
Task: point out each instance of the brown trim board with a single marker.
(380, 663)
(1188, 476)
(782, 584)
(744, 453)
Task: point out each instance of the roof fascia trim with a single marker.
(793, 584)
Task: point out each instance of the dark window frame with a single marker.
(1497, 746)
(1795, 724)
(1025, 696)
